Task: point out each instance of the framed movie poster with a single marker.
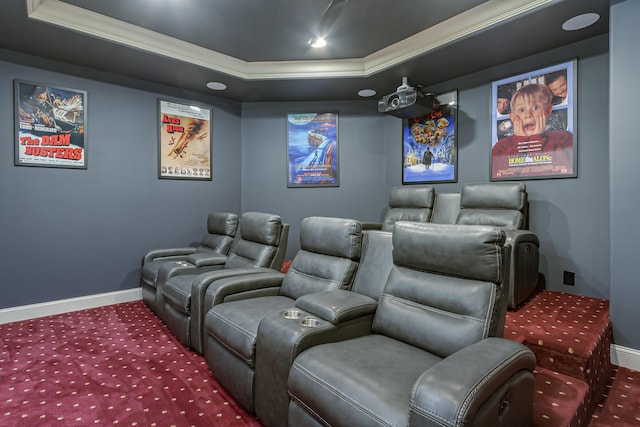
(50, 128)
(312, 150)
(429, 149)
(533, 122)
(184, 143)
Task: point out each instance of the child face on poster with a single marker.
(530, 106)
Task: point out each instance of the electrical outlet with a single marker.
(569, 278)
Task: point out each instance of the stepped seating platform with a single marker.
(571, 337)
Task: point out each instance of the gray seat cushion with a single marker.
(346, 384)
(177, 291)
(235, 324)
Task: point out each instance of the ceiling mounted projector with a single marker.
(407, 102)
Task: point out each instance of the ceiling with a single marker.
(259, 49)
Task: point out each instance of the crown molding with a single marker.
(81, 20)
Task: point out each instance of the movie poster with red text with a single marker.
(533, 124)
(185, 141)
(50, 126)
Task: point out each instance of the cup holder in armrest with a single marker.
(292, 314)
(310, 322)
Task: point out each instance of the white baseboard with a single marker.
(32, 311)
(625, 357)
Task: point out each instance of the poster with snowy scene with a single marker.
(429, 149)
(312, 150)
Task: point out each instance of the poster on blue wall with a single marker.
(533, 124)
(50, 126)
(184, 140)
(312, 150)
(429, 149)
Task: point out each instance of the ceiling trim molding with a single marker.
(74, 18)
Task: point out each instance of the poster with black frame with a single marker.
(184, 140)
(533, 124)
(50, 126)
(429, 149)
(312, 150)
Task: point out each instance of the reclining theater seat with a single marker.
(334, 315)
(505, 205)
(433, 358)
(409, 203)
(221, 229)
(327, 260)
(260, 246)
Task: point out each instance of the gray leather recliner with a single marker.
(502, 204)
(337, 315)
(221, 230)
(433, 358)
(505, 205)
(259, 246)
(327, 260)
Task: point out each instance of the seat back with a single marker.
(409, 203)
(502, 204)
(221, 229)
(327, 259)
(444, 291)
(446, 208)
(261, 242)
(375, 263)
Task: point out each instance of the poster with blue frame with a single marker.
(312, 150)
(429, 149)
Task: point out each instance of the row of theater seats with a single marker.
(372, 327)
(501, 204)
(174, 280)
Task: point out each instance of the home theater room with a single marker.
(319, 213)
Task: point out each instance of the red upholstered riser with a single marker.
(620, 405)
(560, 400)
(569, 334)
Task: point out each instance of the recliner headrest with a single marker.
(413, 203)
(261, 227)
(419, 196)
(472, 252)
(224, 223)
(494, 195)
(331, 236)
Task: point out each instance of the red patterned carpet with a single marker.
(575, 383)
(620, 404)
(114, 365)
(119, 365)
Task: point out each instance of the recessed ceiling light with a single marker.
(581, 21)
(365, 93)
(318, 42)
(216, 86)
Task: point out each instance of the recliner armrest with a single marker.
(524, 265)
(494, 371)
(218, 290)
(204, 259)
(371, 226)
(168, 252)
(514, 237)
(337, 306)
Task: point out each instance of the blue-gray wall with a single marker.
(362, 192)
(624, 152)
(370, 163)
(67, 232)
